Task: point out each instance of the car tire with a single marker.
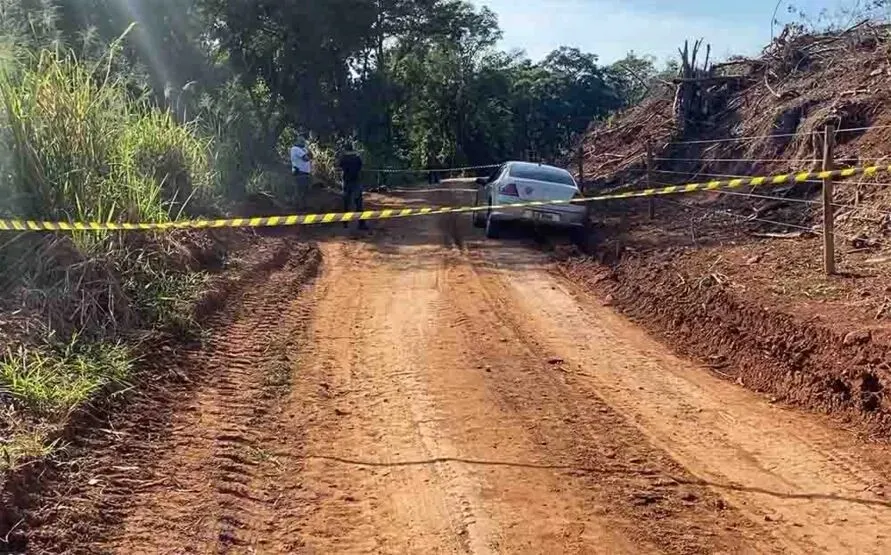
(479, 217)
(493, 227)
(581, 238)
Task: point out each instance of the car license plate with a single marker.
(541, 216)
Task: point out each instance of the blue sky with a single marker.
(610, 28)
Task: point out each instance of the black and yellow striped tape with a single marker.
(310, 219)
(746, 182)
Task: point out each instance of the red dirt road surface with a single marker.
(432, 392)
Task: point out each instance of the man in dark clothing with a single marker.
(351, 165)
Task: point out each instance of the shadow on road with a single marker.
(603, 471)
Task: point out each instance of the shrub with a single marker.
(78, 143)
(82, 147)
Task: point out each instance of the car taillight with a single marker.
(509, 190)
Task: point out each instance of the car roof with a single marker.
(534, 165)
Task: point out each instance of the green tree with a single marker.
(419, 82)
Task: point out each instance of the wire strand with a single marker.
(695, 174)
(740, 139)
(709, 160)
(428, 170)
(743, 218)
(628, 161)
(704, 174)
(855, 207)
(866, 128)
(769, 197)
(775, 136)
(675, 172)
(879, 184)
(787, 199)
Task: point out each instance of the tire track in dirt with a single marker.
(809, 484)
(640, 440)
(436, 394)
(183, 467)
(210, 497)
(635, 487)
(362, 401)
(432, 426)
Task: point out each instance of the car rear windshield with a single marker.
(542, 173)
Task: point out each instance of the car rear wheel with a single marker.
(493, 227)
(479, 217)
(582, 237)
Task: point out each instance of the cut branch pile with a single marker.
(778, 103)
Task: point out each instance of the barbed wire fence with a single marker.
(661, 171)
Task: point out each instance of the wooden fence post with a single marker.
(581, 165)
(828, 210)
(651, 206)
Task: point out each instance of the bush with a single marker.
(163, 296)
(80, 140)
(78, 145)
(82, 147)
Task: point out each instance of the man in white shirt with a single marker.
(301, 168)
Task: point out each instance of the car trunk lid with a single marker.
(534, 190)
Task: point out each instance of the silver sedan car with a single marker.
(519, 182)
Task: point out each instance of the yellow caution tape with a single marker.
(339, 217)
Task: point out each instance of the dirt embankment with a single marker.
(745, 339)
(737, 281)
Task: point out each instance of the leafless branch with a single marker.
(637, 77)
(766, 84)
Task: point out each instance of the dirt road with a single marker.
(432, 392)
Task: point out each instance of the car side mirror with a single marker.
(482, 181)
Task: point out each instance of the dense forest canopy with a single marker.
(417, 82)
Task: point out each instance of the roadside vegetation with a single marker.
(79, 145)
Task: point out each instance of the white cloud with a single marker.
(610, 29)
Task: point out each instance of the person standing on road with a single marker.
(301, 169)
(351, 165)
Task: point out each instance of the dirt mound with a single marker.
(737, 280)
(766, 116)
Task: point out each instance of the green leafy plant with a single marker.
(84, 149)
(52, 381)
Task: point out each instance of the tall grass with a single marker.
(83, 148)
(80, 145)
(48, 383)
